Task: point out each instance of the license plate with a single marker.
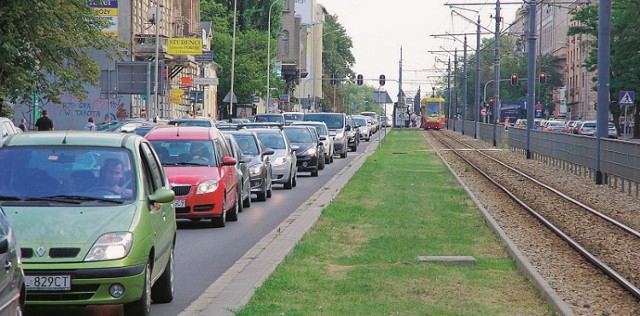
(48, 282)
(179, 203)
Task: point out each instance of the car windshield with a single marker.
(59, 172)
(204, 123)
(298, 135)
(247, 144)
(333, 121)
(269, 118)
(185, 152)
(360, 121)
(272, 140)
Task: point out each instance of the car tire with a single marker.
(331, 158)
(221, 221)
(327, 159)
(343, 155)
(321, 163)
(295, 179)
(314, 173)
(240, 202)
(269, 192)
(164, 289)
(232, 214)
(141, 307)
(247, 202)
(289, 183)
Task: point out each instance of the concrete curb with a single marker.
(237, 285)
(523, 264)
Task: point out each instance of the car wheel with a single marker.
(321, 163)
(327, 159)
(343, 155)
(295, 179)
(222, 220)
(232, 214)
(314, 173)
(247, 201)
(163, 290)
(240, 202)
(289, 183)
(331, 158)
(270, 192)
(141, 307)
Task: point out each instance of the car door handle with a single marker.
(8, 265)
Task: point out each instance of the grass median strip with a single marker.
(361, 257)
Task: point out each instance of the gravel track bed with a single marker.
(584, 288)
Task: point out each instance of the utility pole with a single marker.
(496, 93)
(455, 86)
(531, 82)
(449, 90)
(477, 83)
(400, 93)
(464, 83)
(604, 65)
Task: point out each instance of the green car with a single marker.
(94, 218)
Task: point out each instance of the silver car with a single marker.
(327, 142)
(364, 127)
(283, 162)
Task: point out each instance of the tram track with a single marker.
(607, 243)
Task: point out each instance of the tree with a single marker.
(625, 61)
(337, 59)
(45, 48)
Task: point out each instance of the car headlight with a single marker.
(207, 187)
(280, 161)
(255, 170)
(311, 151)
(111, 246)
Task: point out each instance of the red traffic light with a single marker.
(543, 78)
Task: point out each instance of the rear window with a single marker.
(333, 120)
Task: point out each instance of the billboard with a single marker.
(185, 46)
(107, 10)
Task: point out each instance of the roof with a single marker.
(184, 132)
(72, 138)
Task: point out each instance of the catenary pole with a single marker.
(531, 82)
(604, 64)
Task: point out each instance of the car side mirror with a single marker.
(229, 161)
(162, 195)
(323, 138)
(245, 159)
(347, 128)
(294, 148)
(268, 151)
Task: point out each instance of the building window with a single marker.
(284, 48)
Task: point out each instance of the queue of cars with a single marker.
(587, 128)
(95, 213)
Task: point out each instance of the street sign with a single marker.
(205, 81)
(177, 92)
(176, 100)
(626, 98)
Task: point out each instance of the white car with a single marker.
(283, 162)
(327, 143)
(364, 127)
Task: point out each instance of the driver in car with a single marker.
(111, 174)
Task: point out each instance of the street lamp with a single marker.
(233, 58)
(269, 54)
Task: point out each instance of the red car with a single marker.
(201, 170)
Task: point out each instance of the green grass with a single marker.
(361, 256)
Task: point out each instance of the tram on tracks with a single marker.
(433, 114)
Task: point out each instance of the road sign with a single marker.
(177, 92)
(176, 100)
(626, 98)
(205, 81)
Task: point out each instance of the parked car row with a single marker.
(587, 128)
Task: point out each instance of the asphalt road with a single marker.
(203, 253)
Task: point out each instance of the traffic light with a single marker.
(359, 80)
(382, 80)
(333, 79)
(514, 79)
(543, 78)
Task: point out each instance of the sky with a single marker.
(379, 28)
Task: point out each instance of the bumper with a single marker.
(281, 173)
(206, 205)
(90, 286)
(307, 163)
(257, 183)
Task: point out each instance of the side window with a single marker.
(221, 150)
(153, 170)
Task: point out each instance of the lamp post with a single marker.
(233, 58)
(269, 56)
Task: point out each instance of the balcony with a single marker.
(145, 45)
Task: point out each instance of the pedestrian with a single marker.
(23, 124)
(44, 123)
(90, 126)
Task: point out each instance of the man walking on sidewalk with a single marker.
(44, 123)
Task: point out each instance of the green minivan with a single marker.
(94, 218)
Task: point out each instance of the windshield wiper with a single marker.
(185, 164)
(77, 199)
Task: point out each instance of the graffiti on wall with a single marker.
(73, 113)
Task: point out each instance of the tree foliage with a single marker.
(625, 60)
(45, 46)
(338, 60)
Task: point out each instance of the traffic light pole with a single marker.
(531, 83)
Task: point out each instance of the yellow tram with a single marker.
(432, 112)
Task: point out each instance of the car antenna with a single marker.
(64, 140)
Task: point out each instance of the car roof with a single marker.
(184, 132)
(71, 138)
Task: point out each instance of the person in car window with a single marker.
(111, 174)
(199, 153)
